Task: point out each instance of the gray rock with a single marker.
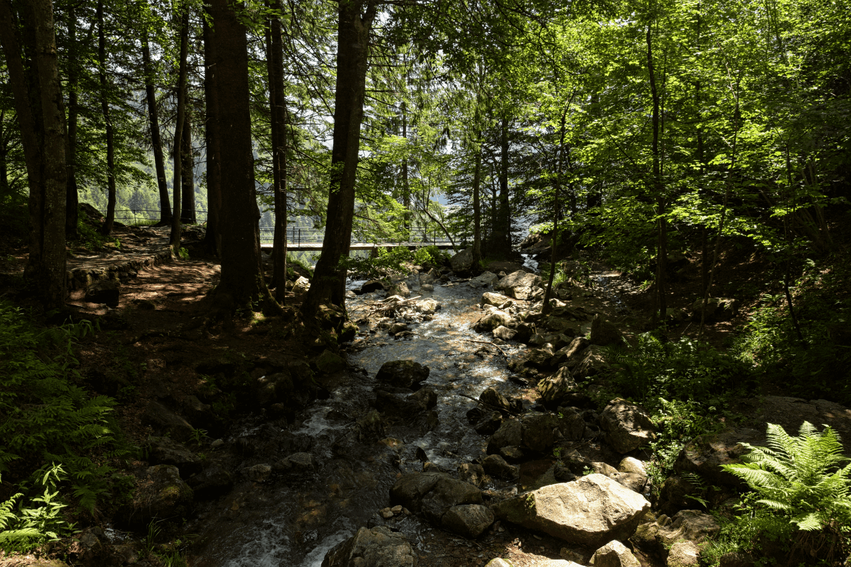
(496, 299)
(593, 362)
(472, 473)
(510, 433)
(446, 493)
(628, 426)
(258, 473)
(557, 389)
(274, 388)
(402, 373)
(504, 333)
(410, 489)
(519, 285)
(614, 554)
(160, 417)
(571, 424)
(469, 520)
(498, 467)
(462, 262)
(212, 482)
(683, 554)
(330, 363)
(427, 306)
(397, 328)
(485, 279)
(493, 319)
(539, 431)
(632, 465)
(376, 547)
(494, 400)
(604, 332)
(165, 451)
(590, 511)
(300, 462)
(399, 288)
(300, 287)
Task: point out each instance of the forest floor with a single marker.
(163, 321)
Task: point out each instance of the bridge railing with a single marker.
(296, 236)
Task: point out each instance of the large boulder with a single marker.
(593, 362)
(402, 373)
(469, 520)
(376, 547)
(519, 285)
(165, 451)
(539, 431)
(509, 434)
(688, 525)
(590, 511)
(496, 299)
(462, 262)
(447, 502)
(211, 482)
(627, 425)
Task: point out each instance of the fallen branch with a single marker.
(489, 344)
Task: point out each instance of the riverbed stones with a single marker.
(627, 425)
(509, 434)
(371, 286)
(165, 451)
(427, 306)
(492, 399)
(593, 362)
(493, 319)
(519, 285)
(446, 493)
(402, 373)
(540, 431)
(590, 511)
(330, 362)
(485, 279)
(557, 389)
(469, 520)
(212, 482)
(504, 333)
(496, 299)
(376, 547)
(614, 554)
(497, 467)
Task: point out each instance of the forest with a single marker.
(700, 149)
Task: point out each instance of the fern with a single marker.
(801, 476)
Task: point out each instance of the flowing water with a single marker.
(293, 521)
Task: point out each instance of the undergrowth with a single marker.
(52, 424)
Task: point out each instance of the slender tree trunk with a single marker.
(178, 132)
(556, 214)
(156, 139)
(110, 133)
(38, 103)
(242, 277)
(658, 190)
(477, 208)
(406, 185)
(502, 228)
(187, 215)
(212, 237)
(354, 25)
(72, 197)
(277, 101)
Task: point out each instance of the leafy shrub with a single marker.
(48, 418)
(678, 370)
(819, 366)
(800, 506)
(800, 476)
(23, 527)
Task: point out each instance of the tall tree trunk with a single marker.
(477, 208)
(174, 240)
(71, 197)
(242, 277)
(187, 215)
(658, 190)
(38, 103)
(156, 139)
(275, 59)
(110, 134)
(353, 30)
(406, 185)
(556, 214)
(212, 237)
(502, 228)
